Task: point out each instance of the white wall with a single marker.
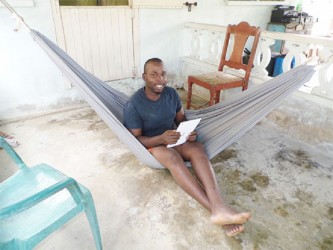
(30, 83)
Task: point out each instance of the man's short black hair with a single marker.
(154, 59)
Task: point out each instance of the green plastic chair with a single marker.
(38, 200)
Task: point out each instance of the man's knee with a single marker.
(197, 147)
(193, 150)
(165, 154)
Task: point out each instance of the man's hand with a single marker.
(170, 137)
(193, 136)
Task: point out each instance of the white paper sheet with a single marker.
(185, 128)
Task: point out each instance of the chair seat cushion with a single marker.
(217, 78)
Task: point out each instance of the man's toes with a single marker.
(233, 230)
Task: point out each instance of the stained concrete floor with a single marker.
(281, 171)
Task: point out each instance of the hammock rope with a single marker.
(221, 124)
(19, 19)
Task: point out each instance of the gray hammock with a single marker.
(221, 124)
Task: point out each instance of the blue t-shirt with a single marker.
(153, 117)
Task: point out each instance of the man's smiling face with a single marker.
(155, 77)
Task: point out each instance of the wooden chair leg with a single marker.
(244, 86)
(217, 97)
(189, 95)
(212, 97)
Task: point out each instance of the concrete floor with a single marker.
(281, 171)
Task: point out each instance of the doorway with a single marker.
(102, 39)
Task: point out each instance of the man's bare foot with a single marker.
(233, 230)
(228, 216)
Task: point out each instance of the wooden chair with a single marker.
(217, 81)
(36, 201)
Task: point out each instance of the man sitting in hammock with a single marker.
(150, 115)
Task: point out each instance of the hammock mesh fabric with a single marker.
(221, 124)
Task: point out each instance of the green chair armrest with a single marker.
(16, 158)
(36, 198)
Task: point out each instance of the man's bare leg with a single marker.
(221, 213)
(173, 161)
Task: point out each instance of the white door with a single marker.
(100, 38)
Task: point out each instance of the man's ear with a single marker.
(143, 76)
